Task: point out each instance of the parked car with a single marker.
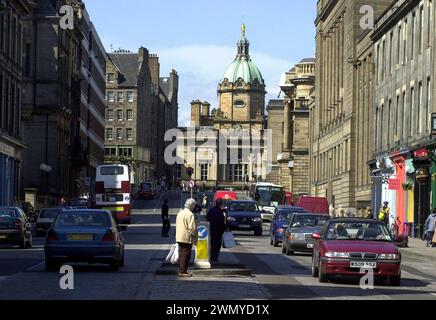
(280, 222)
(46, 218)
(298, 236)
(15, 227)
(244, 216)
(90, 236)
(313, 204)
(349, 247)
(147, 190)
(226, 196)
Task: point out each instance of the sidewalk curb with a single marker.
(224, 269)
(409, 253)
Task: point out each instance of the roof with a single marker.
(307, 60)
(128, 64)
(245, 69)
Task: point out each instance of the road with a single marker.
(275, 276)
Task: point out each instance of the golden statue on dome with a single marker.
(243, 29)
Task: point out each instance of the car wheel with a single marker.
(51, 266)
(23, 243)
(122, 259)
(322, 277)
(395, 281)
(270, 239)
(283, 247)
(315, 270)
(114, 265)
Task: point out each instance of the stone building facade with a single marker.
(12, 67)
(128, 94)
(275, 123)
(404, 162)
(241, 114)
(51, 103)
(293, 160)
(340, 173)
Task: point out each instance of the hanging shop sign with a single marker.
(421, 154)
(422, 175)
(394, 184)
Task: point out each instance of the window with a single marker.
(428, 105)
(119, 134)
(429, 22)
(204, 171)
(129, 115)
(110, 134)
(110, 152)
(388, 123)
(399, 45)
(412, 112)
(418, 111)
(382, 66)
(120, 96)
(125, 152)
(413, 34)
(403, 110)
(129, 96)
(110, 78)
(129, 134)
(405, 58)
(421, 29)
(397, 114)
(120, 115)
(110, 96)
(391, 46)
(110, 115)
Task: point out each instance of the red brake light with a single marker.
(109, 236)
(51, 236)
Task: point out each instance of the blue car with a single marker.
(244, 215)
(280, 222)
(90, 236)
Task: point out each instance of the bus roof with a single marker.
(267, 184)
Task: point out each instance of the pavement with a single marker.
(417, 250)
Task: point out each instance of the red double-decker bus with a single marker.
(112, 191)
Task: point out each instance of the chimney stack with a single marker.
(205, 111)
(195, 113)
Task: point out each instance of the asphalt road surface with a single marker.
(275, 275)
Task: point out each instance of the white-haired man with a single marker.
(186, 236)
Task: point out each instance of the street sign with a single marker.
(203, 233)
(191, 184)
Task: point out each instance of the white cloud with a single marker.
(201, 67)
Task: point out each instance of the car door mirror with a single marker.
(316, 236)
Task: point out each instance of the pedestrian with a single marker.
(204, 201)
(341, 212)
(218, 226)
(430, 228)
(246, 189)
(197, 212)
(166, 223)
(186, 236)
(369, 214)
(332, 211)
(385, 213)
(62, 202)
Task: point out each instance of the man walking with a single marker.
(186, 236)
(166, 223)
(430, 228)
(217, 227)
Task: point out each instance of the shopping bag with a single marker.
(175, 256)
(228, 240)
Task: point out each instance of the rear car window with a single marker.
(49, 214)
(7, 218)
(83, 219)
(241, 206)
(7, 213)
(111, 171)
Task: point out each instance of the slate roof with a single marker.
(128, 65)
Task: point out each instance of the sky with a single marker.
(198, 38)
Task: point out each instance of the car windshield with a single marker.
(146, 187)
(49, 213)
(314, 220)
(367, 231)
(270, 196)
(227, 203)
(284, 216)
(6, 218)
(78, 202)
(83, 219)
(243, 206)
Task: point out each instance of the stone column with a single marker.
(286, 126)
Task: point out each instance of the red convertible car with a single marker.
(351, 247)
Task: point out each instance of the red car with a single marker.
(351, 247)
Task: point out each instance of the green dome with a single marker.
(243, 67)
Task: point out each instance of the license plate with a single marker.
(80, 237)
(2, 236)
(310, 246)
(112, 199)
(361, 264)
(244, 226)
